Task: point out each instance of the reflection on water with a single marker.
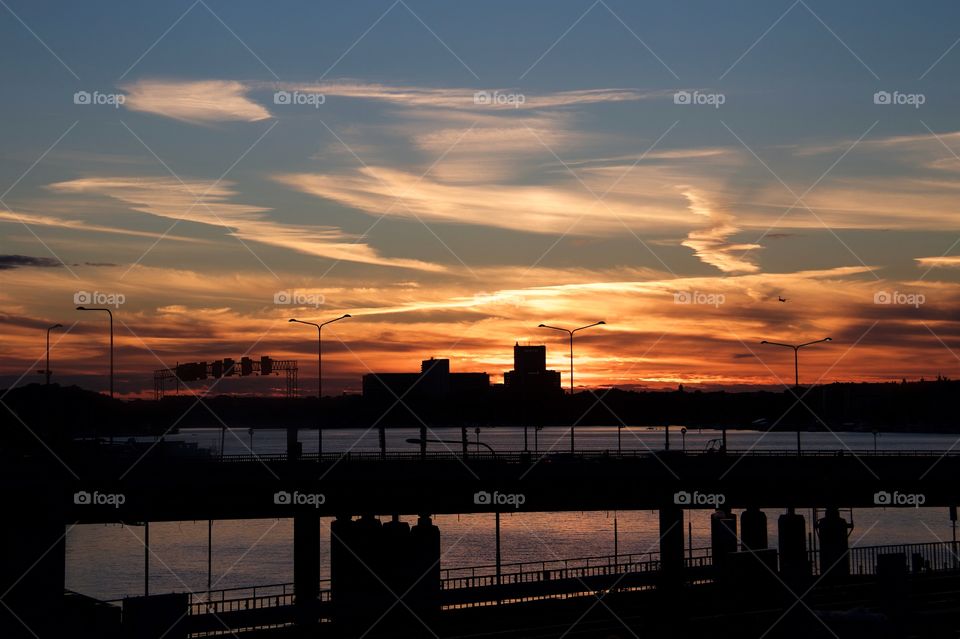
(107, 561)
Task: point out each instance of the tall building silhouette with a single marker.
(530, 374)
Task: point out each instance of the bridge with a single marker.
(114, 484)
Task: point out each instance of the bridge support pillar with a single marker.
(425, 550)
(671, 545)
(753, 530)
(723, 538)
(792, 545)
(32, 563)
(306, 567)
(832, 531)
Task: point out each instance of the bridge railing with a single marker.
(922, 557)
(589, 455)
(247, 598)
(548, 570)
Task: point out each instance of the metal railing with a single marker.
(920, 558)
(583, 455)
(549, 570)
(247, 598)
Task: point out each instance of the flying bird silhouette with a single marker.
(782, 299)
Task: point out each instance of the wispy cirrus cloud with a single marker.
(529, 208)
(943, 261)
(196, 101)
(75, 224)
(208, 202)
(710, 244)
(468, 98)
(215, 100)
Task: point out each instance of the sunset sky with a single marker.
(671, 168)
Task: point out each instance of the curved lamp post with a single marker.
(796, 366)
(319, 328)
(571, 332)
(108, 312)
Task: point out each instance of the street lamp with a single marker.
(319, 328)
(796, 366)
(47, 370)
(571, 332)
(320, 348)
(108, 312)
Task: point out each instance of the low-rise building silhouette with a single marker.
(433, 381)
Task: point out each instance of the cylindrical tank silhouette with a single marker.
(723, 536)
(753, 529)
(306, 566)
(792, 544)
(832, 530)
(425, 560)
(344, 566)
(368, 533)
(398, 565)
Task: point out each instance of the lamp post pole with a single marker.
(796, 367)
(571, 332)
(108, 312)
(46, 371)
(319, 328)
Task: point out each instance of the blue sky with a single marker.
(403, 199)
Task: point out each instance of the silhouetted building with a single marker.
(388, 386)
(434, 377)
(529, 359)
(530, 375)
(433, 381)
